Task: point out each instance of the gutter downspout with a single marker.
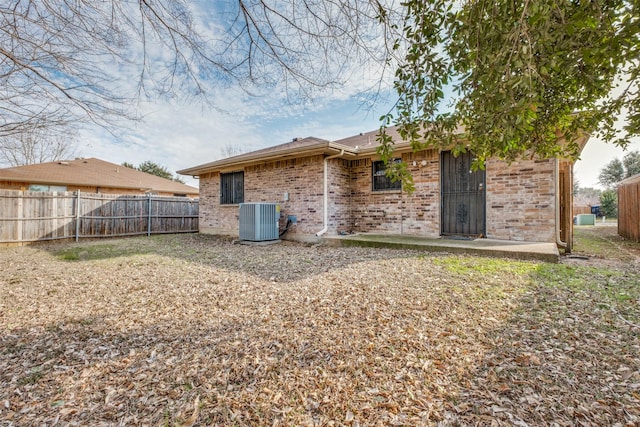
(559, 241)
(325, 218)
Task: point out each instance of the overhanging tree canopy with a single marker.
(615, 171)
(516, 74)
(67, 62)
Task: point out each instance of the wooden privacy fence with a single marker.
(27, 216)
(629, 208)
(581, 209)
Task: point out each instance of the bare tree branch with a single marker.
(36, 146)
(90, 62)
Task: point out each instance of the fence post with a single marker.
(19, 235)
(55, 216)
(149, 218)
(77, 215)
(23, 215)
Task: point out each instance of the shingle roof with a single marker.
(295, 148)
(363, 144)
(366, 141)
(93, 172)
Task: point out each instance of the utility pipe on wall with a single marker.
(325, 216)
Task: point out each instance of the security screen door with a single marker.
(463, 210)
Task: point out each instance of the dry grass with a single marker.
(193, 330)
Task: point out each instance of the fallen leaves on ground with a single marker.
(193, 330)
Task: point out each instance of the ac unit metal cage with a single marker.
(259, 221)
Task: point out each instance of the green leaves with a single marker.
(524, 75)
(615, 171)
(609, 203)
(154, 169)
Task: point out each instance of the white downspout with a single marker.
(559, 241)
(325, 217)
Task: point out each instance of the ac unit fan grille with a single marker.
(259, 221)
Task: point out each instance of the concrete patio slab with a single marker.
(541, 251)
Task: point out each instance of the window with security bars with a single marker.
(380, 180)
(231, 188)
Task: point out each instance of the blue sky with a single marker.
(181, 134)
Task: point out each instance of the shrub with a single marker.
(609, 203)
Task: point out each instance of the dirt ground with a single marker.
(185, 330)
(601, 245)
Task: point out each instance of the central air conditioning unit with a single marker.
(259, 221)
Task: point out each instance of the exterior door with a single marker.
(463, 196)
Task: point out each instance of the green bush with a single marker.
(609, 203)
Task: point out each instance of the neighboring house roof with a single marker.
(363, 144)
(93, 172)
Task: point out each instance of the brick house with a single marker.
(89, 176)
(340, 187)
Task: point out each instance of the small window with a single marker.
(380, 179)
(231, 188)
(48, 188)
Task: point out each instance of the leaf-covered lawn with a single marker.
(194, 330)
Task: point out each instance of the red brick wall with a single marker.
(301, 178)
(339, 201)
(422, 214)
(521, 200)
(215, 218)
(372, 211)
(393, 211)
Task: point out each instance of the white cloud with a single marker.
(179, 136)
(595, 156)
(183, 135)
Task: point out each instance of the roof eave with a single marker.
(249, 158)
(404, 146)
(397, 147)
(95, 184)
